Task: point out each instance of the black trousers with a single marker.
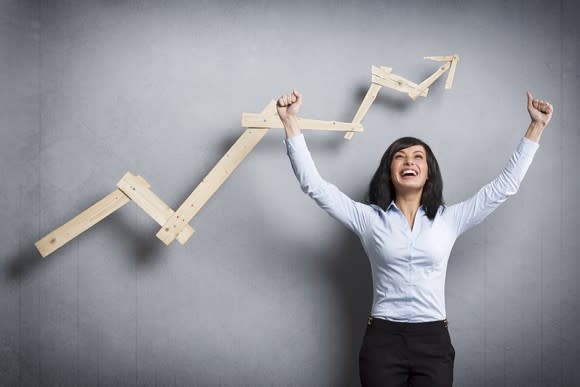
(406, 354)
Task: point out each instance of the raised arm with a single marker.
(352, 214)
(474, 210)
(541, 113)
(288, 107)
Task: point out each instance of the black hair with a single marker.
(382, 191)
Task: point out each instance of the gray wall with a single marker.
(270, 290)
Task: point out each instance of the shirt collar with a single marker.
(393, 206)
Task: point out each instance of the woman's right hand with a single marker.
(540, 110)
(289, 105)
(541, 114)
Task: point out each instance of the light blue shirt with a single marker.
(408, 267)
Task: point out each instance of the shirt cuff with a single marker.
(528, 147)
(296, 143)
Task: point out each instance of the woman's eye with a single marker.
(398, 157)
(419, 156)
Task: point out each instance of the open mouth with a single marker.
(409, 173)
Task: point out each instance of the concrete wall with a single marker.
(270, 290)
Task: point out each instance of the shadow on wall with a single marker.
(340, 268)
(348, 271)
(146, 249)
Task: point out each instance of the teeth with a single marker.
(409, 171)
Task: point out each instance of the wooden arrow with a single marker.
(175, 224)
(383, 76)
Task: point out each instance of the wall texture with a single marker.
(270, 290)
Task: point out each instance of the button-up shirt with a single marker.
(408, 265)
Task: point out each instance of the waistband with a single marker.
(407, 326)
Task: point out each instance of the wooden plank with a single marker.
(82, 222)
(451, 74)
(370, 97)
(368, 100)
(210, 184)
(144, 198)
(393, 81)
(404, 83)
(381, 71)
(429, 81)
(143, 181)
(440, 58)
(258, 121)
(214, 179)
(137, 189)
(400, 84)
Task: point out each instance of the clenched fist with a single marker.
(289, 105)
(540, 110)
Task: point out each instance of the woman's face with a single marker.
(409, 170)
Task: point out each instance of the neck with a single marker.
(409, 204)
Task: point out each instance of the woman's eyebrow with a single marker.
(416, 151)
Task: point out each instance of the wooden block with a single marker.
(381, 71)
(440, 58)
(404, 83)
(451, 74)
(185, 234)
(137, 189)
(258, 121)
(82, 222)
(368, 100)
(401, 84)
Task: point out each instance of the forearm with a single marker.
(291, 126)
(473, 210)
(352, 214)
(534, 131)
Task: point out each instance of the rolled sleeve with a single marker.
(354, 215)
(475, 209)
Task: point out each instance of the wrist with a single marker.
(537, 125)
(290, 122)
(291, 126)
(535, 130)
(288, 117)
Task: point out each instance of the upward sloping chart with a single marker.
(383, 76)
(175, 224)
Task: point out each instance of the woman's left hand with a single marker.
(540, 110)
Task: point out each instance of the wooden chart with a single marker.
(175, 224)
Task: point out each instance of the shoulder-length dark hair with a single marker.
(382, 190)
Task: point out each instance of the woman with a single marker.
(408, 233)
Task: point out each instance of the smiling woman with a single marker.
(408, 233)
(411, 155)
